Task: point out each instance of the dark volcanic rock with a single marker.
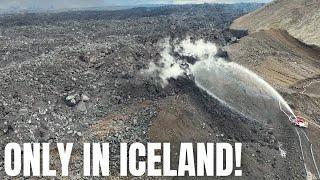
(75, 77)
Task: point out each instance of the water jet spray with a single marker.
(232, 84)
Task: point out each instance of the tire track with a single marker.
(306, 151)
(300, 143)
(312, 154)
(308, 157)
(305, 86)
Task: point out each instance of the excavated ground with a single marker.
(300, 18)
(290, 66)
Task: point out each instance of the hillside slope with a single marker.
(278, 57)
(293, 68)
(301, 18)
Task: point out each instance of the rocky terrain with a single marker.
(301, 18)
(281, 56)
(76, 77)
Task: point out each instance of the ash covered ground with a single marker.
(76, 77)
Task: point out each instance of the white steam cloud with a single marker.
(170, 66)
(199, 49)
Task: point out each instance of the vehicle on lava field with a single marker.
(299, 121)
(295, 120)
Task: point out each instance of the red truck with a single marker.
(299, 121)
